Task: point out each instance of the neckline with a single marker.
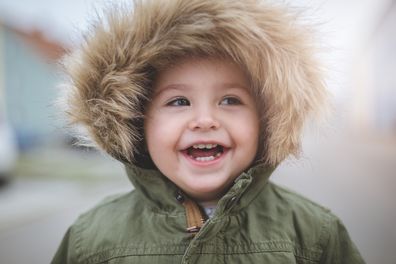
(162, 194)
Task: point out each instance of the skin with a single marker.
(202, 101)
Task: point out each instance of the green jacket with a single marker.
(255, 222)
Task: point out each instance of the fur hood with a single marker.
(110, 74)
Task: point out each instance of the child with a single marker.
(201, 100)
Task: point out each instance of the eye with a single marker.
(178, 102)
(230, 101)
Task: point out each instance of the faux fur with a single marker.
(110, 75)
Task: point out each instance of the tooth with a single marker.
(195, 146)
(203, 159)
(201, 146)
(208, 146)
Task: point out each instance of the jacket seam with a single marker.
(125, 251)
(307, 259)
(325, 235)
(79, 251)
(96, 260)
(122, 251)
(295, 248)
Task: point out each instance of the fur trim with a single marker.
(111, 73)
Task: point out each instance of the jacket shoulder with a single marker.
(122, 226)
(316, 232)
(295, 201)
(83, 240)
(114, 203)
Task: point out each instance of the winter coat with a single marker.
(255, 222)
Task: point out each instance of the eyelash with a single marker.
(180, 101)
(234, 100)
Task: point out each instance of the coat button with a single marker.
(232, 201)
(179, 198)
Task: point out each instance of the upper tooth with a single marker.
(202, 146)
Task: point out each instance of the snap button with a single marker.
(179, 198)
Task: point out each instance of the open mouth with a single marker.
(205, 152)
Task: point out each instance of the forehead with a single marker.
(198, 72)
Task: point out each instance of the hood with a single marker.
(109, 76)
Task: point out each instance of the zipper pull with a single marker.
(195, 217)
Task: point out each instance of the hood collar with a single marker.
(164, 195)
(110, 75)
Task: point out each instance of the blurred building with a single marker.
(28, 77)
(374, 104)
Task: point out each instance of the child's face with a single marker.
(202, 126)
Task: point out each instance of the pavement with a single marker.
(37, 209)
(352, 174)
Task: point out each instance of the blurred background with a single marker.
(348, 163)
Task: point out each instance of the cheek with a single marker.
(248, 132)
(161, 133)
(150, 130)
(157, 142)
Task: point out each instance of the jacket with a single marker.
(255, 222)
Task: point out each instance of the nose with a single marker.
(204, 120)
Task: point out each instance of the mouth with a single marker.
(205, 152)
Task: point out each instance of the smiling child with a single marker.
(202, 126)
(200, 100)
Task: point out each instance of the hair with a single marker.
(111, 73)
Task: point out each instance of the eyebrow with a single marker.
(235, 85)
(175, 86)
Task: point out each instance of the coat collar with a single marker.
(163, 195)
